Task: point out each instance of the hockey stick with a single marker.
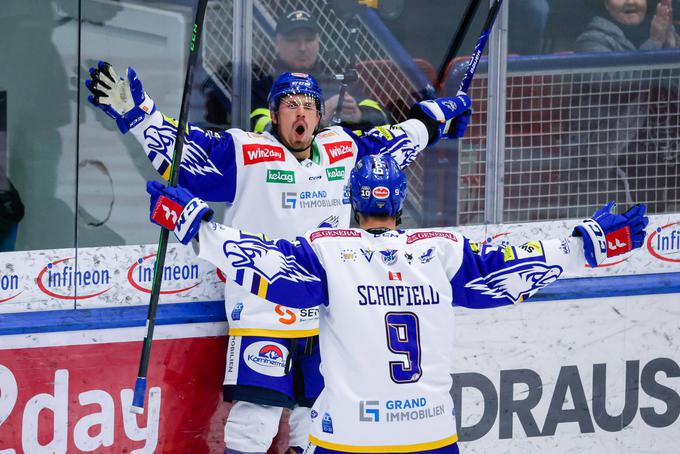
(457, 40)
(140, 383)
(350, 75)
(479, 48)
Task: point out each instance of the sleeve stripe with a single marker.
(262, 291)
(255, 284)
(239, 277)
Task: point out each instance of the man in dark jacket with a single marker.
(297, 42)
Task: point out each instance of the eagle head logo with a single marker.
(265, 259)
(516, 282)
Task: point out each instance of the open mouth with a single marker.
(300, 131)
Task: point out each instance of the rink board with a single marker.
(71, 391)
(590, 363)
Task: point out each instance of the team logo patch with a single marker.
(330, 222)
(426, 256)
(426, 235)
(236, 311)
(337, 151)
(516, 282)
(348, 255)
(267, 358)
(368, 254)
(381, 192)
(408, 256)
(389, 257)
(327, 423)
(256, 153)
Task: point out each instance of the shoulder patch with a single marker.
(334, 233)
(426, 235)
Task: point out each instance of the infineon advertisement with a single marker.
(589, 364)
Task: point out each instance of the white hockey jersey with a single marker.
(268, 190)
(386, 317)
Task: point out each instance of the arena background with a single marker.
(589, 364)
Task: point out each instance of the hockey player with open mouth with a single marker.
(283, 183)
(385, 298)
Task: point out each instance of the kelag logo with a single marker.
(9, 284)
(140, 275)
(58, 278)
(664, 242)
(280, 176)
(335, 173)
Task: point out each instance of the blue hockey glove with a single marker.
(178, 210)
(450, 116)
(608, 235)
(123, 100)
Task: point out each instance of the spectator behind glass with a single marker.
(297, 43)
(625, 25)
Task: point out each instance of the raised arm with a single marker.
(491, 276)
(208, 161)
(428, 122)
(283, 272)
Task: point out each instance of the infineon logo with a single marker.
(335, 173)
(664, 242)
(338, 151)
(182, 277)
(255, 153)
(280, 176)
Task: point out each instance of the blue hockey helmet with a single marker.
(377, 186)
(295, 84)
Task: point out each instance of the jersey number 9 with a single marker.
(403, 337)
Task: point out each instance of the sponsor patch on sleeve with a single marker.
(532, 249)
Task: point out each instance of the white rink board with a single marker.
(549, 341)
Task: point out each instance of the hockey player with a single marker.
(386, 298)
(284, 183)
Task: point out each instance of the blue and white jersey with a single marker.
(386, 316)
(268, 190)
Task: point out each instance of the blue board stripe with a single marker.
(213, 311)
(113, 317)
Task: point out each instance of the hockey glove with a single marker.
(444, 117)
(178, 210)
(123, 100)
(608, 235)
